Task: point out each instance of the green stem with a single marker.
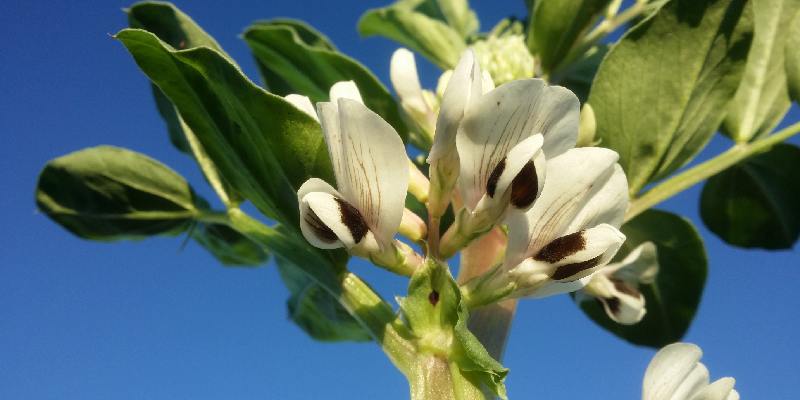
(707, 169)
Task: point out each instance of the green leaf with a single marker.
(315, 311)
(181, 32)
(662, 90)
(793, 59)
(673, 299)
(107, 193)
(459, 16)
(416, 25)
(438, 320)
(290, 65)
(228, 245)
(555, 26)
(579, 77)
(263, 146)
(755, 203)
(762, 99)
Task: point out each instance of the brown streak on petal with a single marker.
(613, 304)
(568, 270)
(561, 248)
(353, 220)
(623, 287)
(322, 231)
(525, 186)
(491, 184)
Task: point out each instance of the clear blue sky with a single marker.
(147, 320)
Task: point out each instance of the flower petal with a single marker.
(578, 254)
(303, 104)
(668, 370)
(404, 77)
(640, 266)
(320, 216)
(721, 389)
(626, 305)
(375, 176)
(693, 383)
(607, 204)
(571, 184)
(463, 88)
(345, 90)
(329, 119)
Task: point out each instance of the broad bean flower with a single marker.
(676, 373)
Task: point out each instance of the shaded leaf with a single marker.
(555, 26)
(263, 146)
(228, 245)
(755, 203)
(673, 299)
(315, 311)
(107, 193)
(579, 77)
(416, 25)
(762, 98)
(291, 65)
(662, 90)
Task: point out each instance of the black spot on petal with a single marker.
(569, 270)
(320, 229)
(433, 298)
(525, 186)
(623, 287)
(613, 304)
(353, 220)
(561, 248)
(491, 185)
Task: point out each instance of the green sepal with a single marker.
(437, 318)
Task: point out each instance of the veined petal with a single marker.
(572, 182)
(464, 86)
(522, 171)
(404, 77)
(329, 119)
(375, 176)
(668, 370)
(639, 266)
(721, 389)
(303, 104)
(345, 90)
(578, 254)
(607, 204)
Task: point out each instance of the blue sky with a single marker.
(150, 320)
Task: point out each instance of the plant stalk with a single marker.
(707, 169)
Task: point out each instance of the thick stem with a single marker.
(435, 378)
(707, 169)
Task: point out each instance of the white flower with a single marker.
(676, 373)
(371, 169)
(616, 286)
(570, 232)
(420, 106)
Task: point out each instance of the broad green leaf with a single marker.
(438, 320)
(228, 245)
(263, 146)
(414, 24)
(181, 32)
(315, 311)
(762, 98)
(662, 91)
(755, 203)
(673, 299)
(108, 193)
(793, 59)
(555, 26)
(579, 77)
(290, 65)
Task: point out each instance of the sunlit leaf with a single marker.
(793, 59)
(662, 91)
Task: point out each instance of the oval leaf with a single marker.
(661, 92)
(290, 65)
(793, 59)
(108, 193)
(755, 203)
(673, 299)
(263, 146)
(228, 245)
